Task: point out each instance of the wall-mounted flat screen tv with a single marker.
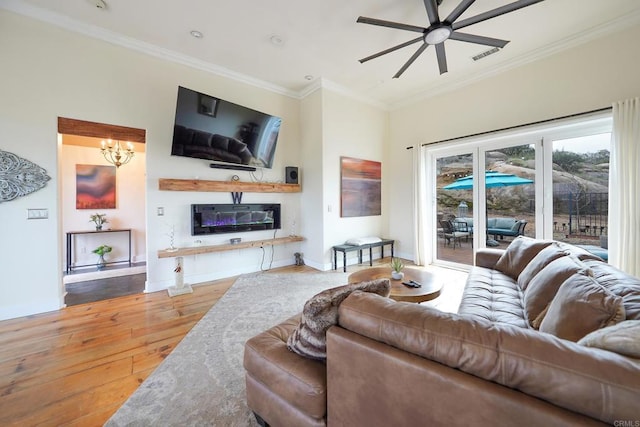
(211, 128)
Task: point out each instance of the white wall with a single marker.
(48, 73)
(312, 177)
(584, 78)
(351, 129)
(129, 212)
(333, 126)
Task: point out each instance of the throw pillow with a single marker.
(581, 306)
(544, 285)
(518, 254)
(540, 261)
(623, 338)
(321, 312)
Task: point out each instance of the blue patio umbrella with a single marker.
(492, 179)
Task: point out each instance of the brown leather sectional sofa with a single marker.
(508, 357)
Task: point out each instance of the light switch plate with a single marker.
(37, 213)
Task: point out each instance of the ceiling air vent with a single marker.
(486, 53)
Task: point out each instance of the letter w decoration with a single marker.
(237, 197)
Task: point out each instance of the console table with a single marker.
(70, 247)
(348, 248)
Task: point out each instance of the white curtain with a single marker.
(624, 187)
(419, 206)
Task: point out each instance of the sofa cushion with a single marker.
(320, 312)
(201, 138)
(300, 381)
(601, 384)
(540, 261)
(619, 283)
(505, 223)
(581, 306)
(182, 135)
(622, 338)
(236, 146)
(220, 142)
(493, 296)
(544, 286)
(518, 254)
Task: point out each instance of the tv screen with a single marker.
(211, 128)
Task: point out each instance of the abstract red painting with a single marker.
(95, 187)
(361, 182)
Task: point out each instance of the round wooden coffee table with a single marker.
(399, 292)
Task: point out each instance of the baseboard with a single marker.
(30, 309)
(102, 274)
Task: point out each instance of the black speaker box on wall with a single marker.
(291, 174)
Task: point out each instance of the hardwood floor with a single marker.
(76, 366)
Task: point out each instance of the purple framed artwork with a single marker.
(95, 187)
(361, 187)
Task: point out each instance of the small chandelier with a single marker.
(115, 154)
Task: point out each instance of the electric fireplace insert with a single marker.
(233, 218)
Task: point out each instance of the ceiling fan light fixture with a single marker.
(437, 35)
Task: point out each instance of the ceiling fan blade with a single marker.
(494, 13)
(381, 23)
(471, 38)
(391, 49)
(410, 61)
(442, 58)
(459, 10)
(432, 11)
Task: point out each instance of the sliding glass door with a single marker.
(509, 192)
(453, 209)
(483, 206)
(581, 190)
(545, 181)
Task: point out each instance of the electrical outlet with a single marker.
(160, 211)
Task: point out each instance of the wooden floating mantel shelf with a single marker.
(225, 186)
(196, 250)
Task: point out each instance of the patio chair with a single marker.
(449, 232)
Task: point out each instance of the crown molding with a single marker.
(22, 8)
(438, 88)
(69, 24)
(326, 84)
(611, 27)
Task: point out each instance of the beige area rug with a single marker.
(201, 383)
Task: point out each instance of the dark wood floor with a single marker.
(101, 289)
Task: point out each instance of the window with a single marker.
(499, 185)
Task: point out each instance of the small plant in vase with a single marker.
(396, 269)
(101, 251)
(98, 220)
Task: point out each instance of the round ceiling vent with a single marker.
(99, 4)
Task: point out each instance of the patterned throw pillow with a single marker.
(320, 312)
(623, 338)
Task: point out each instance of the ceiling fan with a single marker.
(439, 31)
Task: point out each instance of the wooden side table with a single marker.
(430, 288)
